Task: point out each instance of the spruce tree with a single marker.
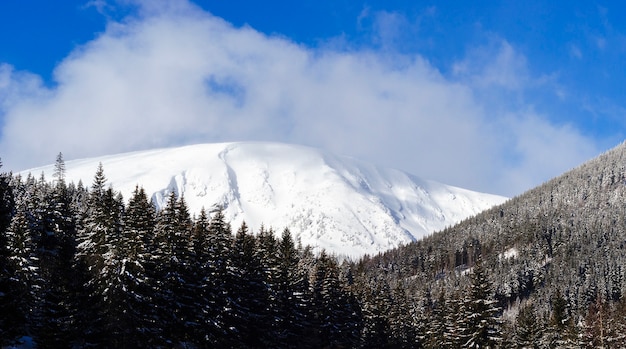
(24, 278)
(6, 271)
(456, 322)
(483, 328)
(59, 168)
(249, 293)
(436, 326)
(129, 296)
(215, 284)
(172, 260)
(333, 309)
(528, 329)
(376, 307)
(98, 235)
(7, 201)
(200, 247)
(61, 291)
(291, 306)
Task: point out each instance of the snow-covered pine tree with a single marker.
(376, 305)
(456, 322)
(405, 331)
(99, 233)
(7, 202)
(291, 303)
(6, 272)
(249, 292)
(173, 260)
(129, 297)
(96, 226)
(59, 169)
(200, 250)
(336, 319)
(436, 324)
(483, 324)
(53, 236)
(23, 278)
(218, 273)
(60, 293)
(528, 329)
(187, 284)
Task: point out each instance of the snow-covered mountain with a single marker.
(343, 205)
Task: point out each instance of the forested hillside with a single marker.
(555, 259)
(80, 266)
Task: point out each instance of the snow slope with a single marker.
(343, 205)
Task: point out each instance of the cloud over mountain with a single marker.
(177, 75)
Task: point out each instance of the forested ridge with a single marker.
(81, 266)
(555, 259)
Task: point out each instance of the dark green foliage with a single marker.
(250, 316)
(174, 281)
(529, 330)
(289, 284)
(483, 328)
(129, 296)
(22, 277)
(7, 306)
(336, 317)
(218, 271)
(7, 200)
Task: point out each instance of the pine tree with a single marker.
(267, 253)
(189, 283)
(172, 257)
(200, 246)
(6, 271)
(528, 329)
(218, 274)
(562, 331)
(376, 332)
(248, 291)
(456, 322)
(96, 226)
(482, 312)
(60, 290)
(291, 306)
(129, 297)
(335, 316)
(23, 278)
(59, 169)
(437, 322)
(100, 232)
(7, 201)
(403, 328)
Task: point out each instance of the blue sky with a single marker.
(496, 97)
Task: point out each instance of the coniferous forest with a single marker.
(81, 266)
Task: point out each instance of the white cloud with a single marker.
(183, 76)
(540, 150)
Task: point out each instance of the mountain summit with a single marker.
(337, 203)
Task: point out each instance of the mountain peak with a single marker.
(343, 205)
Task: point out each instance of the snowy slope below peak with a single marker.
(343, 205)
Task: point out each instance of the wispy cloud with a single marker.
(183, 76)
(498, 65)
(575, 51)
